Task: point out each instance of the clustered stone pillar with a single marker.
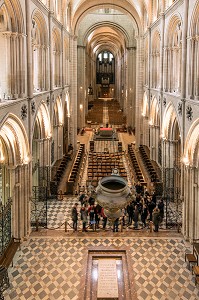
(139, 89)
(73, 102)
(82, 100)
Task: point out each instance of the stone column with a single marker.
(29, 50)
(21, 66)
(81, 88)
(196, 83)
(165, 70)
(73, 102)
(50, 50)
(183, 87)
(162, 68)
(8, 65)
(131, 86)
(139, 88)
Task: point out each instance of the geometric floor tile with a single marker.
(50, 268)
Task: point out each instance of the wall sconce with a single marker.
(185, 160)
(143, 114)
(81, 106)
(2, 158)
(26, 160)
(150, 123)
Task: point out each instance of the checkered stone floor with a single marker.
(60, 211)
(51, 268)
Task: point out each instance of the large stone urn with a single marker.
(113, 194)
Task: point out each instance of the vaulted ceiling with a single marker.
(107, 25)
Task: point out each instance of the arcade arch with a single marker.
(41, 141)
(15, 173)
(191, 183)
(172, 153)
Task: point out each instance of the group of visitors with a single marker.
(142, 210)
(90, 214)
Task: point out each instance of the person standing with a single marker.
(139, 188)
(136, 217)
(115, 225)
(84, 217)
(144, 215)
(156, 216)
(161, 208)
(104, 218)
(74, 216)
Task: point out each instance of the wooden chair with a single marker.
(191, 258)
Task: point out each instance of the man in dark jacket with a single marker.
(74, 215)
(161, 208)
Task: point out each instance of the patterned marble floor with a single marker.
(50, 268)
(50, 263)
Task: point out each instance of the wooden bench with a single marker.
(191, 258)
(7, 257)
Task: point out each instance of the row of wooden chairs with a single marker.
(136, 167)
(148, 165)
(101, 165)
(62, 167)
(111, 156)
